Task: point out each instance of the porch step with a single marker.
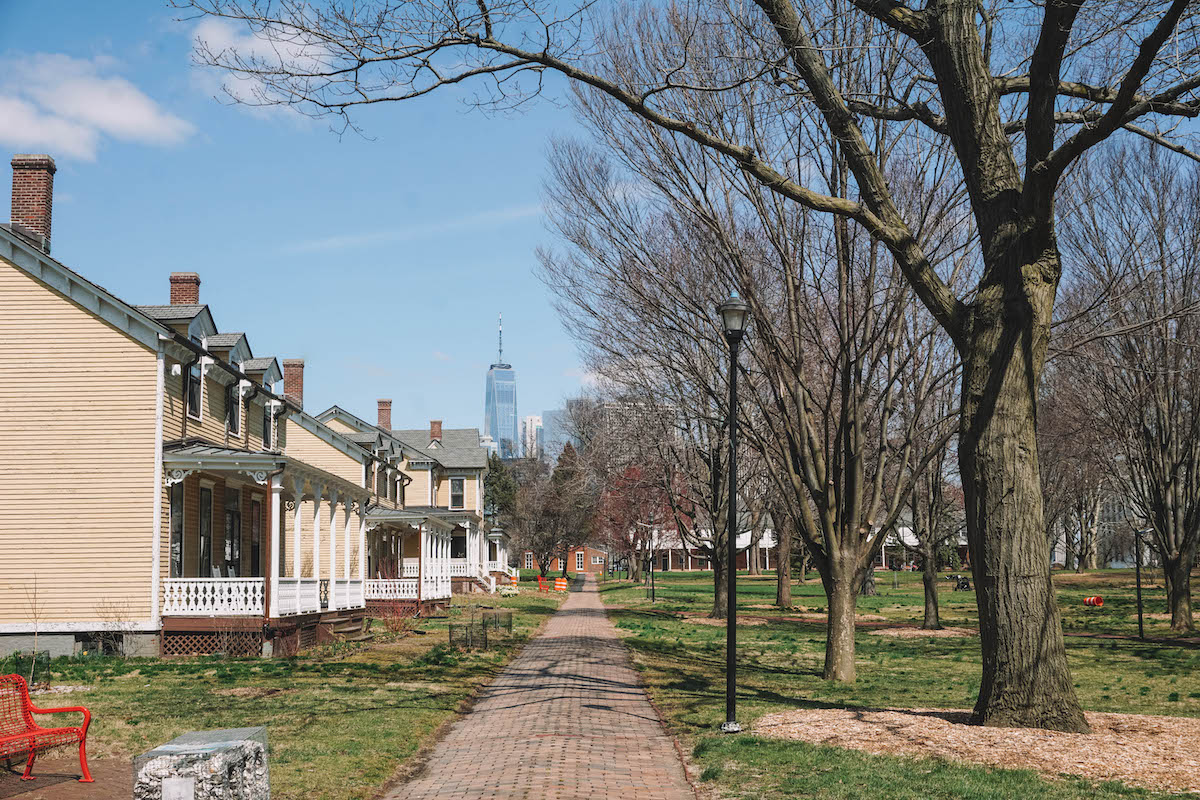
(338, 620)
(348, 628)
(364, 637)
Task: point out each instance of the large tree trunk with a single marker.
(1026, 681)
(783, 566)
(839, 640)
(720, 593)
(1178, 573)
(929, 576)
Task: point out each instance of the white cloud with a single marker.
(409, 232)
(586, 377)
(65, 105)
(440, 356)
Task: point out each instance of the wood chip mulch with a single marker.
(1153, 752)
(922, 633)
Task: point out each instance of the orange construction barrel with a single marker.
(560, 584)
(1095, 600)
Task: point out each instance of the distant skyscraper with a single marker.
(500, 404)
(554, 434)
(531, 436)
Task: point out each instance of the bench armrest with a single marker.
(87, 715)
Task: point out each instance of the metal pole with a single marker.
(1137, 560)
(731, 725)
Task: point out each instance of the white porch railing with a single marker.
(349, 594)
(395, 589)
(410, 569)
(298, 596)
(459, 568)
(214, 597)
(496, 566)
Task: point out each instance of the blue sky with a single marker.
(382, 262)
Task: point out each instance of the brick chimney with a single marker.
(435, 430)
(33, 196)
(293, 380)
(385, 414)
(185, 288)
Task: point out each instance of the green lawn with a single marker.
(340, 721)
(780, 664)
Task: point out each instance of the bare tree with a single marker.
(1134, 245)
(1015, 93)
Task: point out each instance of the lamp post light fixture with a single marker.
(735, 315)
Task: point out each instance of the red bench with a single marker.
(20, 736)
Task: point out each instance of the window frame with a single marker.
(529, 561)
(233, 410)
(175, 537)
(195, 382)
(462, 493)
(579, 559)
(205, 540)
(268, 421)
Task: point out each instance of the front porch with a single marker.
(408, 559)
(260, 547)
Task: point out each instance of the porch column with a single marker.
(422, 560)
(318, 492)
(346, 542)
(276, 523)
(362, 541)
(333, 501)
(297, 524)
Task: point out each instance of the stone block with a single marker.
(226, 764)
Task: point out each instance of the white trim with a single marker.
(450, 495)
(76, 627)
(79, 290)
(330, 436)
(157, 488)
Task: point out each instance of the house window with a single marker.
(177, 530)
(266, 430)
(204, 568)
(233, 412)
(579, 561)
(529, 561)
(255, 539)
(195, 383)
(233, 533)
(597, 559)
(457, 494)
(381, 481)
(458, 547)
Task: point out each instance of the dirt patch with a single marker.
(1139, 750)
(250, 692)
(921, 633)
(813, 616)
(60, 690)
(720, 623)
(1158, 617)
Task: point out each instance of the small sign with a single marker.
(179, 789)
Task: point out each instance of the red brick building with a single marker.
(579, 559)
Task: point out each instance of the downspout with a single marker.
(156, 527)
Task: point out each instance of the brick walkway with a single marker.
(567, 719)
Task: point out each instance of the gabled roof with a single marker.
(181, 312)
(258, 364)
(366, 427)
(226, 341)
(460, 448)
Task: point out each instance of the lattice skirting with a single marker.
(308, 637)
(203, 643)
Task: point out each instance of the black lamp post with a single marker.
(1137, 561)
(735, 315)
